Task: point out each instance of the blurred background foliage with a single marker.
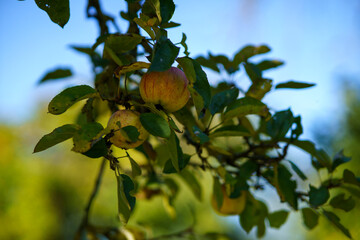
(43, 195)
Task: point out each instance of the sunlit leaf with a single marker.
(339, 159)
(230, 130)
(135, 168)
(130, 68)
(84, 137)
(190, 179)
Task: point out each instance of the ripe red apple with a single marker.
(169, 89)
(126, 118)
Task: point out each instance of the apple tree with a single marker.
(161, 100)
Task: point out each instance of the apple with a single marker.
(230, 206)
(126, 118)
(168, 89)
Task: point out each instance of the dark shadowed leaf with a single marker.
(64, 100)
(56, 74)
(217, 192)
(349, 177)
(310, 218)
(132, 133)
(57, 10)
(183, 43)
(253, 215)
(59, 135)
(339, 159)
(199, 84)
(293, 84)
(322, 157)
(155, 125)
(126, 202)
(98, 149)
(268, 64)
(297, 170)
(203, 138)
(164, 57)
(279, 124)
(339, 201)
(183, 161)
(253, 72)
(220, 100)
(287, 186)
(245, 106)
(336, 221)
(208, 63)
(318, 196)
(130, 68)
(84, 137)
(167, 8)
(174, 150)
(278, 218)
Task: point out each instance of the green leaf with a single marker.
(183, 43)
(217, 192)
(253, 215)
(58, 10)
(59, 135)
(253, 72)
(336, 221)
(167, 8)
(287, 186)
(248, 51)
(293, 84)
(278, 218)
(310, 218)
(85, 136)
(135, 168)
(123, 43)
(190, 179)
(173, 148)
(56, 74)
(208, 63)
(318, 196)
(130, 68)
(132, 133)
(245, 106)
(259, 88)
(64, 100)
(220, 100)
(230, 130)
(297, 170)
(126, 202)
(279, 124)
(164, 57)
(183, 161)
(349, 177)
(199, 85)
(200, 135)
(155, 125)
(298, 128)
(339, 201)
(339, 159)
(98, 149)
(309, 147)
(268, 64)
(170, 25)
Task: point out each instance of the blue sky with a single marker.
(318, 40)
